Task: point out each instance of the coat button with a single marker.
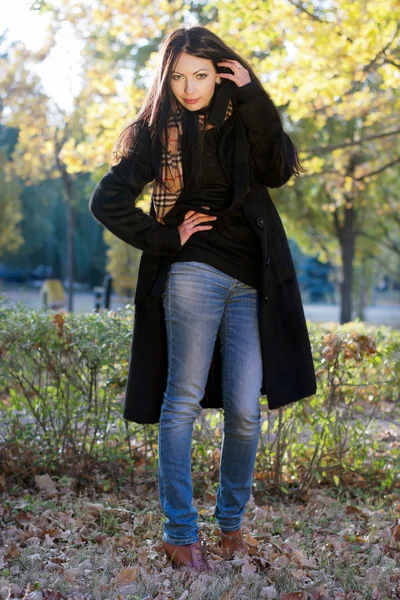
(266, 298)
(260, 222)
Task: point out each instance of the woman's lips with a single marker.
(192, 101)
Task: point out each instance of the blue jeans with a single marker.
(201, 302)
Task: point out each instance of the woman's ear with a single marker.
(223, 93)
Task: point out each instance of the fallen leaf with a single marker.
(248, 568)
(94, 509)
(396, 534)
(12, 552)
(126, 575)
(250, 540)
(51, 595)
(45, 483)
(70, 575)
(269, 592)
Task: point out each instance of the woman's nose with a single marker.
(189, 88)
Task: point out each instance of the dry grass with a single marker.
(58, 545)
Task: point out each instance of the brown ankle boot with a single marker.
(230, 541)
(191, 556)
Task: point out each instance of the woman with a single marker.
(218, 314)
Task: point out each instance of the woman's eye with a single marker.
(202, 75)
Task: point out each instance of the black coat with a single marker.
(262, 158)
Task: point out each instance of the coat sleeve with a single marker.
(113, 204)
(271, 149)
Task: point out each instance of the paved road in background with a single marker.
(380, 314)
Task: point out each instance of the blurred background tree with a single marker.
(331, 68)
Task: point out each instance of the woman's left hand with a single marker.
(240, 74)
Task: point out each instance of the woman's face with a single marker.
(193, 78)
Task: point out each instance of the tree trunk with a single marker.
(348, 239)
(68, 196)
(68, 183)
(70, 253)
(362, 293)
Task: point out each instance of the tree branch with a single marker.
(383, 168)
(392, 246)
(321, 149)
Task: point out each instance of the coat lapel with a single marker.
(240, 174)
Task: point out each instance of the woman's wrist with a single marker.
(248, 92)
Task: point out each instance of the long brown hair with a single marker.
(160, 103)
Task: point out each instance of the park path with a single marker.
(379, 314)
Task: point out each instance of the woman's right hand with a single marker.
(190, 224)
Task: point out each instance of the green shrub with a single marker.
(63, 377)
(335, 437)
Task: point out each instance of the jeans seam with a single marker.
(166, 537)
(169, 355)
(180, 541)
(226, 353)
(235, 528)
(225, 385)
(204, 266)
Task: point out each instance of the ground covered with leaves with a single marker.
(57, 544)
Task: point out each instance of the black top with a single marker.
(231, 245)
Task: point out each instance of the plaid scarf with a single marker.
(171, 162)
